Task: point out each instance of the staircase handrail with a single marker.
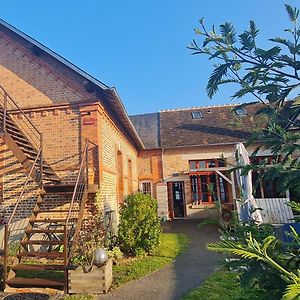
(24, 187)
(8, 224)
(80, 188)
(7, 99)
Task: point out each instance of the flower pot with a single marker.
(97, 281)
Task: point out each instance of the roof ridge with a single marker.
(201, 107)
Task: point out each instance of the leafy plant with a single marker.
(271, 262)
(296, 208)
(139, 227)
(90, 236)
(270, 76)
(266, 74)
(115, 253)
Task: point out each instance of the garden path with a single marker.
(186, 273)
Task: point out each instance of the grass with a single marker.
(79, 297)
(170, 246)
(224, 285)
(49, 274)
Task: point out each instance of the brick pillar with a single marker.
(91, 128)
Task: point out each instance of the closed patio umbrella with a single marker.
(248, 203)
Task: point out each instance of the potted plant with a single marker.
(91, 270)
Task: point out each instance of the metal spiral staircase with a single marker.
(34, 252)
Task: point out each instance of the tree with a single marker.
(270, 76)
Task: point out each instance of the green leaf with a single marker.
(292, 12)
(242, 92)
(247, 41)
(216, 78)
(228, 32)
(292, 292)
(268, 54)
(253, 30)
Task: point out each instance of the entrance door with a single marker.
(178, 199)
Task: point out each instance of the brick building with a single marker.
(171, 154)
(188, 153)
(67, 106)
(65, 135)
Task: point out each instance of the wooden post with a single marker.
(66, 258)
(5, 255)
(233, 186)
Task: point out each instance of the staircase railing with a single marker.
(11, 112)
(8, 105)
(77, 205)
(16, 224)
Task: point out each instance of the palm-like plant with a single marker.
(254, 250)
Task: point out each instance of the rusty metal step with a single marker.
(54, 255)
(47, 220)
(42, 242)
(57, 188)
(45, 211)
(31, 267)
(34, 282)
(42, 230)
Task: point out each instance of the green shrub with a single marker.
(115, 253)
(139, 227)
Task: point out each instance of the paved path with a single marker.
(185, 273)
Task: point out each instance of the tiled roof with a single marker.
(220, 124)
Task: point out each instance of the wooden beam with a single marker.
(223, 176)
(209, 169)
(233, 186)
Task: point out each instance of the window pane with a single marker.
(193, 165)
(221, 163)
(146, 188)
(211, 164)
(202, 164)
(205, 197)
(195, 192)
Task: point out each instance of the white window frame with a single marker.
(142, 184)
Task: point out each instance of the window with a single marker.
(207, 163)
(197, 115)
(146, 187)
(206, 185)
(240, 111)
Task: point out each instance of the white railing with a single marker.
(275, 210)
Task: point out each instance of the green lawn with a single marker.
(78, 297)
(170, 246)
(224, 285)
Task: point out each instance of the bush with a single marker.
(139, 227)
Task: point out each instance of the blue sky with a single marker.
(140, 46)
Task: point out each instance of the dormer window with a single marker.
(197, 115)
(240, 111)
